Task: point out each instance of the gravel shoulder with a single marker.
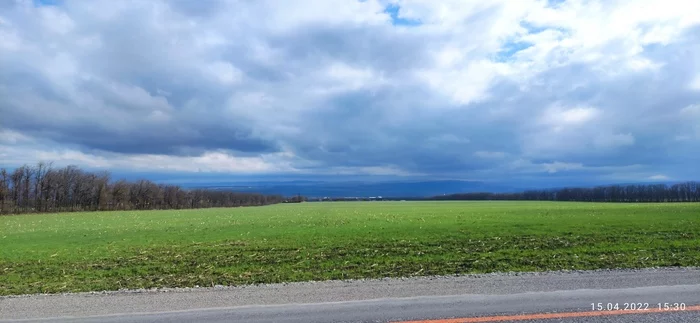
(178, 299)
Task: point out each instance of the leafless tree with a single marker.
(43, 188)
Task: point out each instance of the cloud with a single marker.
(490, 154)
(560, 118)
(13, 137)
(210, 161)
(559, 166)
(224, 72)
(695, 83)
(574, 90)
(608, 141)
(659, 177)
(691, 110)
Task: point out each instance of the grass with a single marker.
(71, 252)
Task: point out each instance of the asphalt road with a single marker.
(543, 297)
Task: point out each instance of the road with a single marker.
(538, 297)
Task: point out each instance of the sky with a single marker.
(540, 91)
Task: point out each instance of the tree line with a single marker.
(681, 192)
(43, 188)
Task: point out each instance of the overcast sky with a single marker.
(605, 90)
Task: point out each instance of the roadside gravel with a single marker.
(177, 299)
(597, 277)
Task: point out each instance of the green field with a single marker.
(51, 253)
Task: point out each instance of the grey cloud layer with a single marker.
(323, 91)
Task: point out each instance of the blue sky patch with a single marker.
(40, 3)
(393, 11)
(510, 49)
(531, 28)
(555, 3)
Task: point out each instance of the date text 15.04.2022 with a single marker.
(638, 306)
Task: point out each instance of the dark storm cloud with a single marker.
(379, 47)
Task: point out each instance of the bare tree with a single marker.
(4, 190)
(42, 188)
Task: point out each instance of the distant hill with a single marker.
(319, 189)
